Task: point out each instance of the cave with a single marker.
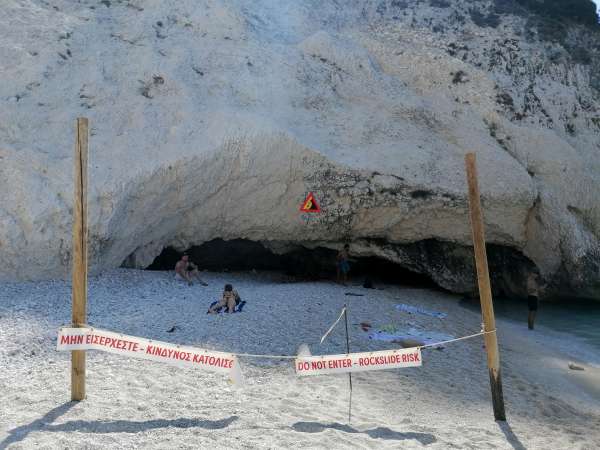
(301, 263)
(429, 264)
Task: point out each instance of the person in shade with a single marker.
(229, 300)
(532, 297)
(343, 265)
(186, 270)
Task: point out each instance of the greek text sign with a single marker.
(135, 347)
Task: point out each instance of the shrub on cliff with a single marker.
(578, 11)
(554, 21)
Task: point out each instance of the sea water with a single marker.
(574, 318)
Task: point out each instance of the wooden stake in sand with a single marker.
(349, 373)
(485, 291)
(79, 286)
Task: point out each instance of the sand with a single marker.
(140, 404)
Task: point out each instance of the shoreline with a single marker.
(564, 349)
(568, 342)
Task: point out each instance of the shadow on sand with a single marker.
(511, 437)
(375, 433)
(20, 433)
(110, 426)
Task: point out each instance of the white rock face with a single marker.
(213, 119)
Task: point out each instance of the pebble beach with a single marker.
(135, 403)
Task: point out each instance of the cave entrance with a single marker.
(300, 263)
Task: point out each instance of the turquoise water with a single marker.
(579, 318)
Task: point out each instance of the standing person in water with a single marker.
(532, 297)
(343, 264)
(229, 300)
(186, 270)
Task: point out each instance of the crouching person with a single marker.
(229, 300)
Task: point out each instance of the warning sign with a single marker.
(358, 362)
(136, 347)
(310, 205)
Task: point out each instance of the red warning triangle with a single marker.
(310, 205)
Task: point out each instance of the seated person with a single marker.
(186, 270)
(230, 299)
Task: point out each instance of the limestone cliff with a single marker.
(214, 118)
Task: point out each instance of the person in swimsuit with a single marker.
(229, 299)
(343, 265)
(532, 297)
(186, 270)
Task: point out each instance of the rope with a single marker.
(334, 324)
(481, 333)
(249, 355)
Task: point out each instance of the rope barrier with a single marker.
(259, 356)
(481, 333)
(249, 355)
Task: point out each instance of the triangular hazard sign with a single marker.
(310, 205)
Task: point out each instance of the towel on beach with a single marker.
(238, 307)
(426, 337)
(416, 310)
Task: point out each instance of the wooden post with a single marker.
(485, 291)
(79, 285)
(349, 373)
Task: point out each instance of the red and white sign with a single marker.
(310, 204)
(135, 347)
(358, 362)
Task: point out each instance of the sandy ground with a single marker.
(140, 404)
